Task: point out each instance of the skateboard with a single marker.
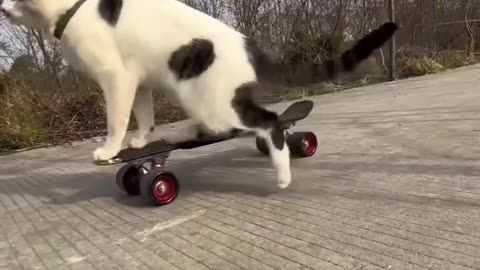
(158, 186)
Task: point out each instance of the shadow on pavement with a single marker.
(241, 170)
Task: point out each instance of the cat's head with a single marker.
(34, 13)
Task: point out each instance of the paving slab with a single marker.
(395, 184)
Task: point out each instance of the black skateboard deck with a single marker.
(295, 112)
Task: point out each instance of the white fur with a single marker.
(280, 159)
(134, 55)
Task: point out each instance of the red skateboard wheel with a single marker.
(128, 179)
(159, 187)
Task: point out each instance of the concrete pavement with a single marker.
(395, 184)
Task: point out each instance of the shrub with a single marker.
(421, 66)
(30, 116)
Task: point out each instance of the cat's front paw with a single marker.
(137, 142)
(105, 153)
(284, 179)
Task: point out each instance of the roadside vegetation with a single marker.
(42, 101)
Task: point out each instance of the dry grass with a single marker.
(32, 113)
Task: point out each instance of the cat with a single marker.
(130, 47)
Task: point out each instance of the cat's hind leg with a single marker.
(194, 131)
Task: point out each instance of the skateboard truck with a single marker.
(154, 183)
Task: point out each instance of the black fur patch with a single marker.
(251, 114)
(192, 59)
(365, 46)
(305, 73)
(278, 137)
(271, 71)
(254, 116)
(110, 10)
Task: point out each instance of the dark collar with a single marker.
(65, 18)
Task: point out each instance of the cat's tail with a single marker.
(310, 73)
